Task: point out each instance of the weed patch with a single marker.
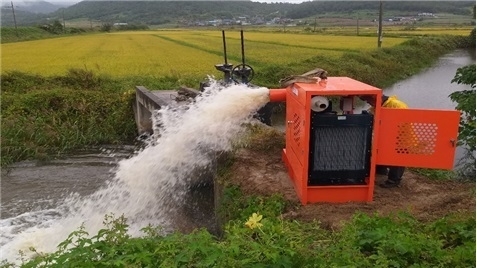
(257, 236)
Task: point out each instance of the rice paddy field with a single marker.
(401, 31)
(169, 52)
(194, 53)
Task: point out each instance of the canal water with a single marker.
(43, 202)
(431, 88)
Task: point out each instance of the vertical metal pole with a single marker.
(243, 51)
(380, 25)
(64, 24)
(225, 46)
(14, 19)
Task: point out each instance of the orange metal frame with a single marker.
(298, 118)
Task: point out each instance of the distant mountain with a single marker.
(35, 6)
(311, 8)
(185, 12)
(39, 7)
(158, 12)
(28, 12)
(22, 18)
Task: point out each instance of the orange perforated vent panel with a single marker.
(295, 132)
(416, 138)
(296, 129)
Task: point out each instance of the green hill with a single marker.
(194, 12)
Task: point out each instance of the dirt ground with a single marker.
(263, 173)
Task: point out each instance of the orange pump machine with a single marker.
(331, 154)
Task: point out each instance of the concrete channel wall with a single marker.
(148, 101)
(144, 106)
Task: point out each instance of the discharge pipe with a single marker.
(278, 95)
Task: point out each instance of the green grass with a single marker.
(42, 116)
(10, 34)
(365, 241)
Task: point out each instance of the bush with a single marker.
(465, 100)
(55, 28)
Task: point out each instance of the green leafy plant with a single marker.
(255, 239)
(263, 240)
(465, 100)
(466, 103)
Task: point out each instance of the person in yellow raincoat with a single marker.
(394, 173)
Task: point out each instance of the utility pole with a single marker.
(14, 19)
(357, 25)
(64, 24)
(314, 27)
(380, 24)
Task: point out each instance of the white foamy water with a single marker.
(148, 187)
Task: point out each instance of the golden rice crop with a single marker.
(113, 54)
(316, 41)
(256, 53)
(172, 52)
(431, 31)
(405, 31)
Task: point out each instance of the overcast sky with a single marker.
(76, 1)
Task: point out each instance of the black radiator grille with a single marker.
(340, 149)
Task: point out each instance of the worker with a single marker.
(394, 173)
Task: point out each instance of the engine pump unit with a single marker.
(332, 148)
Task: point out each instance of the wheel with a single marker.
(242, 73)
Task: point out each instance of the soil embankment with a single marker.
(263, 173)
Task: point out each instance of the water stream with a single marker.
(431, 88)
(40, 209)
